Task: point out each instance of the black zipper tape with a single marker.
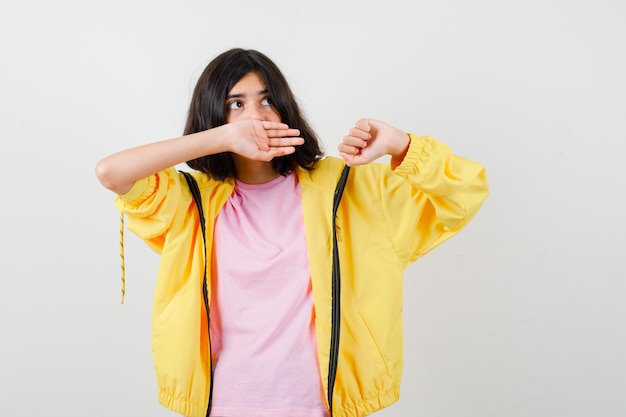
(195, 192)
(336, 293)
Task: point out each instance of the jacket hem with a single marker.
(180, 405)
(367, 406)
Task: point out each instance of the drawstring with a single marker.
(122, 256)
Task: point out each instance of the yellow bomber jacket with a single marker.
(387, 219)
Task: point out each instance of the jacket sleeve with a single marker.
(151, 205)
(445, 193)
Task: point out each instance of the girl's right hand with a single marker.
(261, 140)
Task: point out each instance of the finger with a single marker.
(282, 151)
(274, 125)
(271, 153)
(364, 125)
(360, 133)
(279, 133)
(349, 150)
(351, 160)
(354, 142)
(280, 142)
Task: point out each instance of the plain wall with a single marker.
(520, 315)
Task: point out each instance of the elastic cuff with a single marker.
(140, 191)
(419, 150)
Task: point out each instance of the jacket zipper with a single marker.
(205, 293)
(334, 337)
(197, 197)
(336, 294)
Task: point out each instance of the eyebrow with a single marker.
(260, 93)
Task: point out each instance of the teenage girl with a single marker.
(251, 321)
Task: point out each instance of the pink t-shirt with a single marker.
(262, 317)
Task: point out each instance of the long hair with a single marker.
(208, 110)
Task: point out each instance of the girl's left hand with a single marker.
(370, 139)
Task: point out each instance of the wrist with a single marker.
(399, 147)
(222, 138)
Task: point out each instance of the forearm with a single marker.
(118, 172)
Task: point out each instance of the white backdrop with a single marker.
(521, 315)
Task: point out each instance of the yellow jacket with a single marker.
(387, 219)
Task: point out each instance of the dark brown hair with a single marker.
(208, 110)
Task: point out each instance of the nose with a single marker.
(254, 112)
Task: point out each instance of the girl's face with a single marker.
(249, 99)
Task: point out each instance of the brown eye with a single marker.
(234, 105)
